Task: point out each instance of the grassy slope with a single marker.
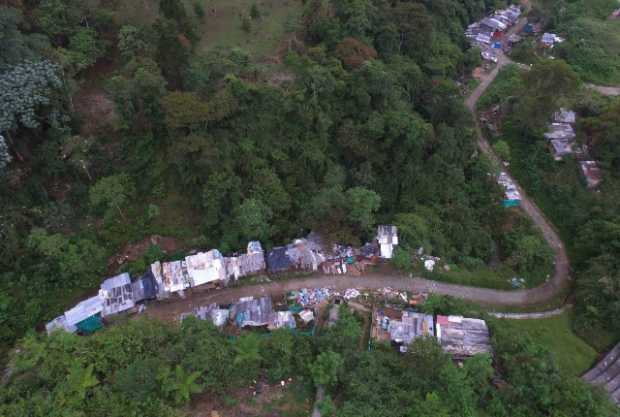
(278, 17)
(573, 355)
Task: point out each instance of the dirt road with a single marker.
(605, 90)
(560, 279)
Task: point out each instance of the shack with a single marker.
(205, 267)
(252, 262)
(387, 236)
(116, 294)
(591, 173)
(399, 327)
(251, 312)
(86, 315)
(462, 337)
(144, 288)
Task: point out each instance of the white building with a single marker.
(387, 236)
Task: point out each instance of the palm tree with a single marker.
(179, 385)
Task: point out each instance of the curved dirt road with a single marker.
(559, 281)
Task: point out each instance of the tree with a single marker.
(79, 380)
(254, 11)
(363, 204)
(26, 89)
(112, 193)
(5, 156)
(247, 354)
(253, 219)
(179, 385)
(15, 45)
(326, 369)
(354, 53)
(185, 110)
(502, 149)
(84, 49)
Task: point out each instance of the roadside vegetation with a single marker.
(585, 218)
(150, 368)
(592, 44)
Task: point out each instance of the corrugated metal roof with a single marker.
(144, 288)
(83, 310)
(461, 336)
(205, 267)
(117, 294)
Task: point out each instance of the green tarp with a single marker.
(90, 325)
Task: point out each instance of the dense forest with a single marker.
(113, 130)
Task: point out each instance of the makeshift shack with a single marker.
(144, 288)
(591, 173)
(117, 294)
(387, 236)
(86, 315)
(252, 312)
(205, 267)
(462, 337)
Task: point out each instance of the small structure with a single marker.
(401, 327)
(59, 323)
(550, 39)
(173, 277)
(591, 173)
(306, 316)
(282, 320)
(246, 264)
(205, 267)
(560, 131)
(217, 316)
(561, 148)
(252, 312)
(387, 236)
(462, 337)
(86, 315)
(116, 294)
(302, 254)
(144, 288)
(512, 196)
(565, 116)
(488, 56)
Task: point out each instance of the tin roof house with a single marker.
(116, 294)
(174, 278)
(302, 254)
(86, 315)
(144, 288)
(565, 116)
(411, 326)
(462, 337)
(561, 148)
(387, 236)
(252, 262)
(252, 312)
(205, 267)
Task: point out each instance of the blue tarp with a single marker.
(278, 261)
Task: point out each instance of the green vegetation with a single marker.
(149, 368)
(571, 353)
(586, 219)
(592, 44)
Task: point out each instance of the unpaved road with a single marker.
(605, 89)
(172, 308)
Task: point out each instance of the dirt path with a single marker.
(605, 90)
(532, 316)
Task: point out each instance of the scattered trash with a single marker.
(306, 316)
(429, 264)
(309, 297)
(351, 293)
(517, 282)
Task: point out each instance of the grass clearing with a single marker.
(574, 356)
(221, 25)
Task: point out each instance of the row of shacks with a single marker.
(488, 33)
(250, 312)
(561, 137)
(459, 336)
(209, 269)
